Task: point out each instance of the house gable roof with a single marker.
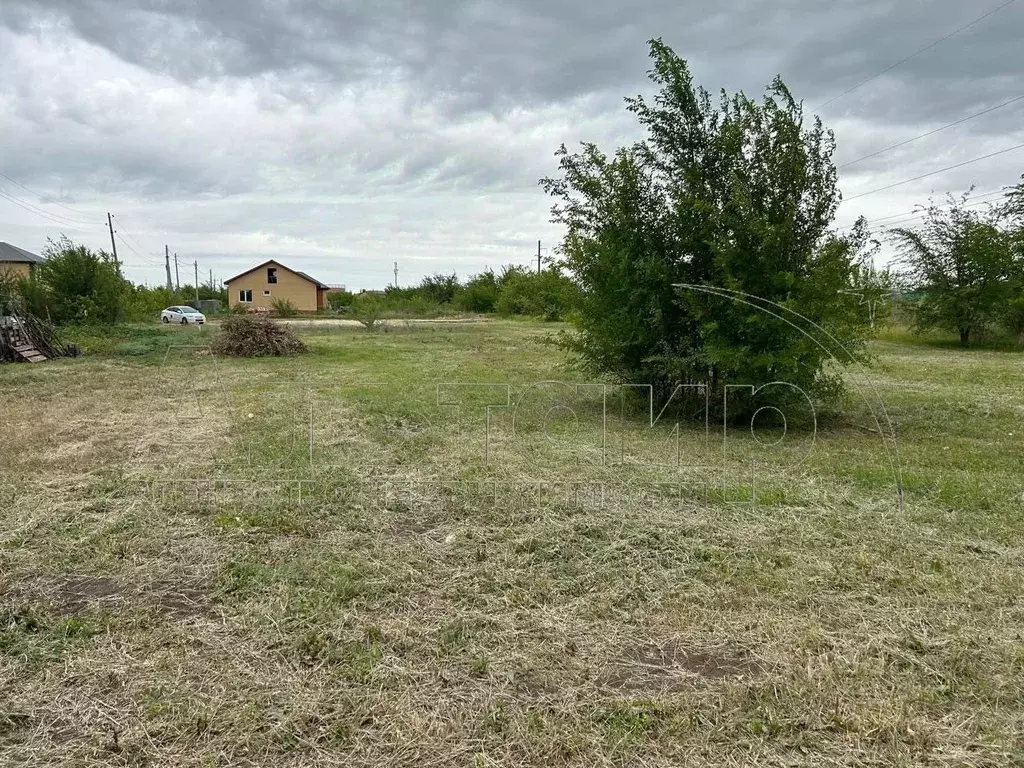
(303, 275)
(13, 254)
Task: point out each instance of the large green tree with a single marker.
(81, 285)
(735, 194)
(963, 263)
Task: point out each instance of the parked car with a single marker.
(183, 315)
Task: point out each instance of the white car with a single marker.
(183, 315)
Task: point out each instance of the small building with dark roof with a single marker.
(16, 262)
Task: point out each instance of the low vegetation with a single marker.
(255, 336)
(549, 295)
(79, 286)
(184, 581)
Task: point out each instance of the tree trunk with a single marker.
(965, 336)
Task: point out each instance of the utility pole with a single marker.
(196, 263)
(396, 274)
(538, 257)
(110, 223)
(211, 281)
(177, 279)
(167, 266)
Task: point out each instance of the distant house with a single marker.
(261, 286)
(17, 263)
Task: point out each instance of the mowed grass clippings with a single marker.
(359, 557)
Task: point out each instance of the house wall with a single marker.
(15, 270)
(289, 287)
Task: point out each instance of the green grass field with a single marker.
(348, 558)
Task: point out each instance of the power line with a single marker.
(51, 214)
(923, 214)
(42, 214)
(144, 257)
(914, 55)
(979, 197)
(930, 133)
(37, 208)
(18, 183)
(934, 173)
(152, 256)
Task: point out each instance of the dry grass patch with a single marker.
(410, 604)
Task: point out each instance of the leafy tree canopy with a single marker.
(735, 194)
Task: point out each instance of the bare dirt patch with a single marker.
(672, 665)
(70, 594)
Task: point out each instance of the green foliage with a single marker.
(368, 309)
(439, 288)
(284, 308)
(80, 286)
(133, 340)
(737, 195)
(10, 294)
(1013, 319)
(147, 303)
(480, 293)
(340, 300)
(964, 265)
(549, 294)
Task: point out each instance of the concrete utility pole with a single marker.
(110, 223)
(538, 257)
(211, 281)
(396, 274)
(177, 279)
(167, 266)
(196, 263)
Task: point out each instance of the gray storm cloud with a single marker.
(347, 135)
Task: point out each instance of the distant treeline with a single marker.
(79, 286)
(512, 290)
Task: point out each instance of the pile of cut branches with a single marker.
(255, 336)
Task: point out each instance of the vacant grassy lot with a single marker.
(349, 559)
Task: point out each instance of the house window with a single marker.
(245, 297)
(266, 293)
(271, 275)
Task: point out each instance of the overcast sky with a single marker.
(340, 137)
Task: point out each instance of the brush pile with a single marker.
(26, 338)
(254, 336)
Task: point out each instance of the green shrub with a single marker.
(480, 294)
(1013, 320)
(725, 193)
(284, 308)
(549, 295)
(340, 300)
(78, 285)
(368, 309)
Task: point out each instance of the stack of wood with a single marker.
(27, 339)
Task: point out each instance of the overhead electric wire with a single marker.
(149, 259)
(980, 197)
(931, 133)
(50, 214)
(934, 173)
(924, 214)
(914, 55)
(151, 256)
(18, 183)
(41, 214)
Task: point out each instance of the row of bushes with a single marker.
(76, 285)
(513, 290)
